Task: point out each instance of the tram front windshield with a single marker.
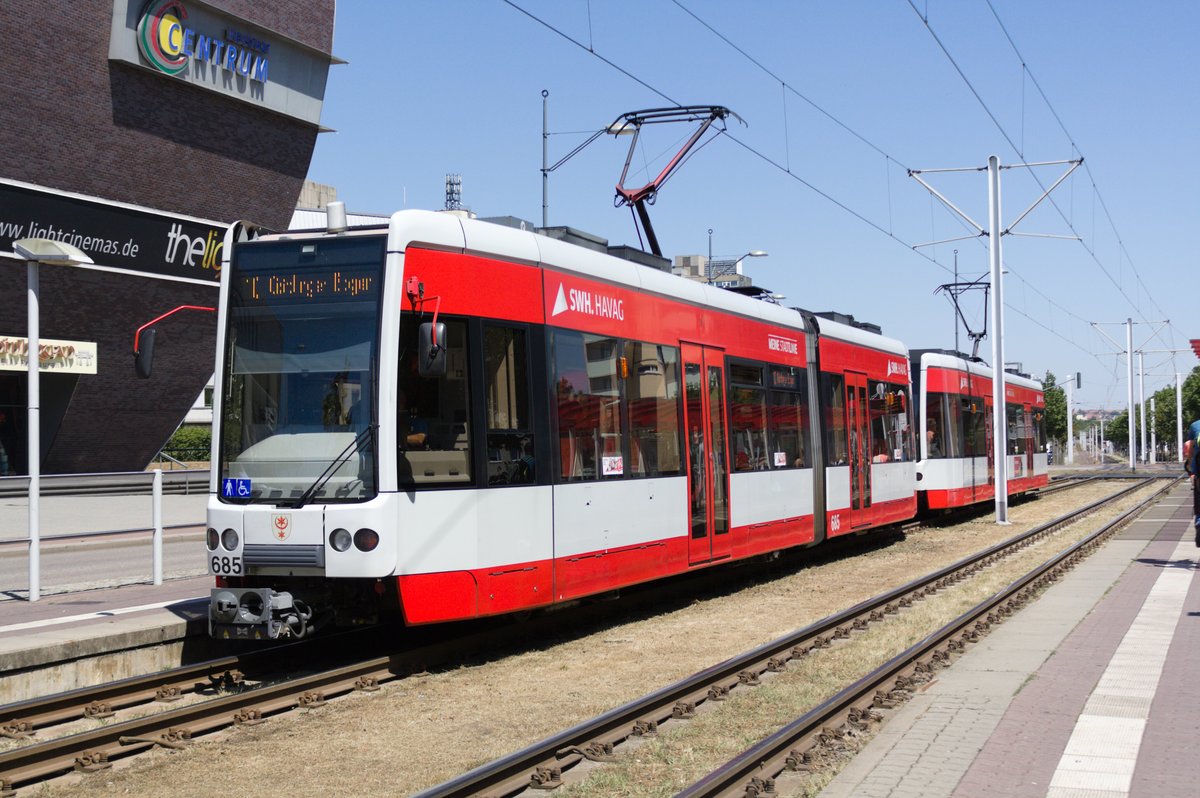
(298, 415)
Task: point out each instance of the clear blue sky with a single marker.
(433, 88)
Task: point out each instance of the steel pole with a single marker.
(156, 493)
(1179, 415)
(1153, 436)
(34, 424)
(999, 409)
(1145, 458)
(545, 164)
(1129, 382)
(1070, 428)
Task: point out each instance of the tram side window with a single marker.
(652, 394)
(1016, 429)
(509, 425)
(748, 418)
(833, 388)
(974, 426)
(789, 417)
(432, 412)
(588, 402)
(888, 407)
(936, 439)
(1039, 429)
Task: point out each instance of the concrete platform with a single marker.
(1090, 692)
(70, 640)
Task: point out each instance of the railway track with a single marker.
(544, 764)
(233, 698)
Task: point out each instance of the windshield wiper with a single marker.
(353, 447)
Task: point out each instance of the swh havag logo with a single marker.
(168, 44)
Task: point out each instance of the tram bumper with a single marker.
(257, 613)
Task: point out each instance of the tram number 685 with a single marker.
(226, 565)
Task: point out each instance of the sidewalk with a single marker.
(1087, 693)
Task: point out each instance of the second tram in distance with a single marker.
(954, 397)
(444, 419)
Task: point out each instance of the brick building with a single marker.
(137, 131)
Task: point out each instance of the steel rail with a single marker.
(93, 750)
(753, 771)
(22, 719)
(540, 765)
(1066, 484)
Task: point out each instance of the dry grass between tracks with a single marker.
(420, 731)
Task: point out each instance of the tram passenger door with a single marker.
(707, 456)
(991, 443)
(1028, 440)
(858, 430)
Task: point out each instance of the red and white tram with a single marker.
(450, 419)
(954, 395)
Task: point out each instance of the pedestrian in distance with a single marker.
(1191, 464)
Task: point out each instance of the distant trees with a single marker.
(1056, 409)
(1163, 421)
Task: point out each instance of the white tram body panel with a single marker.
(598, 517)
(760, 498)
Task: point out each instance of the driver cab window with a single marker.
(432, 412)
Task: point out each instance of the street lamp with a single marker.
(35, 251)
(725, 265)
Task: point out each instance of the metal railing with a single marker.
(154, 483)
(136, 483)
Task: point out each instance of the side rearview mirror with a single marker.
(431, 349)
(143, 358)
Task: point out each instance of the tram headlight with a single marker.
(214, 539)
(252, 607)
(340, 539)
(224, 606)
(366, 539)
(229, 539)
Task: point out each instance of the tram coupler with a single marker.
(258, 613)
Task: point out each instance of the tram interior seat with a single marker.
(439, 466)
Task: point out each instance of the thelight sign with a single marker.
(113, 234)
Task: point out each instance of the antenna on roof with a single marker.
(454, 192)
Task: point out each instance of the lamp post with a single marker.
(731, 263)
(1073, 382)
(34, 251)
(1070, 427)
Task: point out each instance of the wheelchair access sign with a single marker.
(235, 488)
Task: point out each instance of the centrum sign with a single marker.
(204, 46)
(168, 43)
